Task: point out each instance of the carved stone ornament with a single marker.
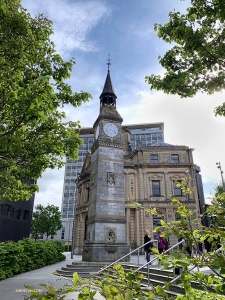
(110, 235)
(110, 248)
(111, 178)
(169, 214)
(156, 199)
(176, 177)
(89, 236)
(155, 177)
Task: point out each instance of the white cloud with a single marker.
(189, 122)
(50, 188)
(72, 21)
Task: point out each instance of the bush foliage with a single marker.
(26, 255)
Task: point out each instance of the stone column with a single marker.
(128, 225)
(82, 194)
(126, 180)
(143, 224)
(136, 185)
(165, 179)
(145, 184)
(128, 185)
(189, 185)
(81, 235)
(137, 227)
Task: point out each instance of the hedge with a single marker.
(66, 248)
(26, 255)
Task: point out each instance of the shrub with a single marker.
(27, 255)
(66, 248)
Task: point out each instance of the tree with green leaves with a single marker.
(219, 189)
(45, 220)
(33, 91)
(196, 63)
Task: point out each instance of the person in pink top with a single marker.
(161, 242)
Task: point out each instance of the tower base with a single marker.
(105, 252)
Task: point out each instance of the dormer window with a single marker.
(175, 158)
(154, 159)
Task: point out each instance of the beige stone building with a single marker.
(150, 173)
(145, 172)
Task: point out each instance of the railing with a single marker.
(154, 259)
(193, 267)
(129, 254)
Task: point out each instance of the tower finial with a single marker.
(108, 62)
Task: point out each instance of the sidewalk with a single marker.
(13, 288)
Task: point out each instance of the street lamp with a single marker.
(221, 172)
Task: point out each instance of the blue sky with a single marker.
(88, 30)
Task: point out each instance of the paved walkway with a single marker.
(14, 289)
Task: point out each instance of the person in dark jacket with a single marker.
(148, 246)
(184, 246)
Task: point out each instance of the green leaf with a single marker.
(128, 295)
(76, 276)
(175, 201)
(160, 290)
(222, 271)
(130, 276)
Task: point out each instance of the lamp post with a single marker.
(74, 214)
(221, 172)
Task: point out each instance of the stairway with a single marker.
(157, 276)
(84, 269)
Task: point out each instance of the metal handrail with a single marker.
(168, 250)
(178, 277)
(151, 261)
(137, 249)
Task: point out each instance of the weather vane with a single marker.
(108, 62)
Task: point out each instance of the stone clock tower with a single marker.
(106, 223)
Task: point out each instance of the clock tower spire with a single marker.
(106, 223)
(108, 95)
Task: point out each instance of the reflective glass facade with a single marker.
(72, 169)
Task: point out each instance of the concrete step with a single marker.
(83, 269)
(154, 280)
(69, 274)
(80, 268)
(157, 276)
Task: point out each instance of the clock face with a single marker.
(97, 132)
(110, 129)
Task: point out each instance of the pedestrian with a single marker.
(148, 246)
(184, 246)
(167, 244)
(161, 242)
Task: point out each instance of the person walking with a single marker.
(161, 242)
(148, 246)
